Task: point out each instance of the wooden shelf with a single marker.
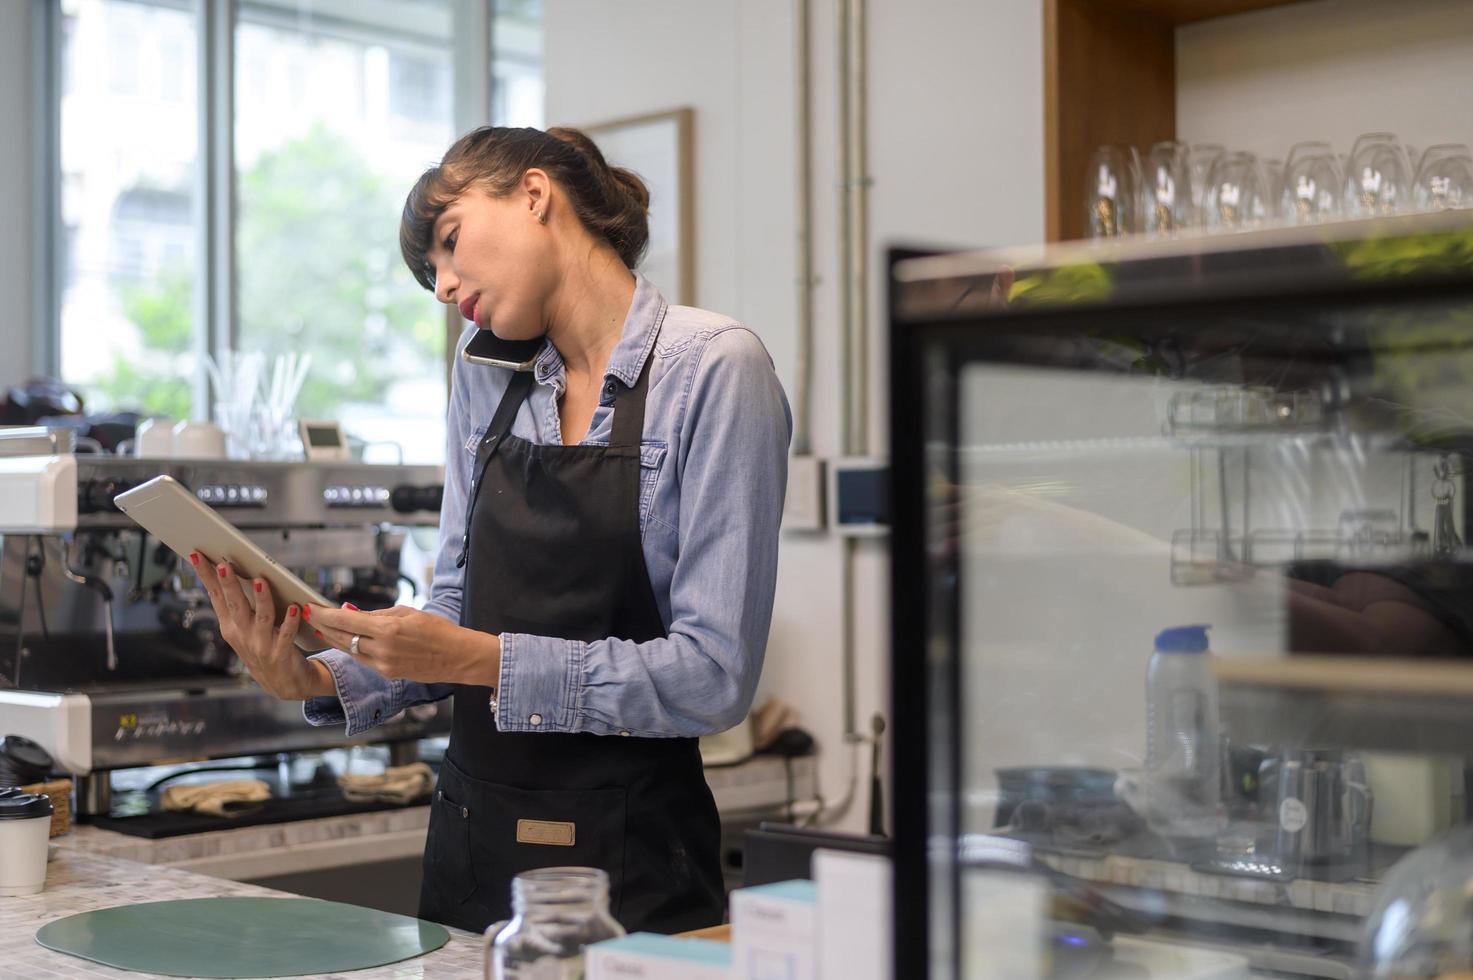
(1358, 675)
(1110, 77)
(1190, 11)
(1378, 703)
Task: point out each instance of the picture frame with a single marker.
(659, 146)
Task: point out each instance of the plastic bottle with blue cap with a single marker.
(1184, 744)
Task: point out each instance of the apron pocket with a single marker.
(512, 830)
(447, 846)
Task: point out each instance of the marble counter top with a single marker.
(80, 882)
(94, 868)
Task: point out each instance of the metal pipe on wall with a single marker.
(858, 183)
(846, 238)
(803, 393)
(853, 304)
(850, 56)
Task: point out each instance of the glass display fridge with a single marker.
(1182, 606)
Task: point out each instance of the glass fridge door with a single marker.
(1184, 616)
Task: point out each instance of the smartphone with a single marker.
(515, 355)
(183, 522)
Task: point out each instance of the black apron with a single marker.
(553, 546)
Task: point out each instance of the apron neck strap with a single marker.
(629, 409)
(511, 402)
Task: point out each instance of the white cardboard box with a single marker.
(854, 921)
(773, 931)
(650, 956)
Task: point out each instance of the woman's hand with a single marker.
(404, 643)
(267, 650)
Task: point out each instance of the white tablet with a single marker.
(180, 520)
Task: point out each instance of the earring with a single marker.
(540, 218)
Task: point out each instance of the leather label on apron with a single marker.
(549, 832)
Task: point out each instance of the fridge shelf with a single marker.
(1371, 540)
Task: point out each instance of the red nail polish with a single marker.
(349, 605)
(194, 558)
(307, 613)
(319, 633)
(258, 586)
(291, 612)
(220, 571)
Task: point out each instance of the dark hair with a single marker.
(613, 203)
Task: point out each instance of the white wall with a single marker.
(1328, 70)
(15, 191)
(957, 159)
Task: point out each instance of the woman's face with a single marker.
(494, 259)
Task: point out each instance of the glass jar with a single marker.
(555, 913)
(1420, 923)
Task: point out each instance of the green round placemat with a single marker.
(242, 937)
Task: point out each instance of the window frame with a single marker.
(216, 309)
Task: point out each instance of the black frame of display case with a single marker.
(927, 351)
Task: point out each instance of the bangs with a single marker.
(435, 190)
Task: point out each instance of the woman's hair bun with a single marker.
(620, 212)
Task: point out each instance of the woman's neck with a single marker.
(586, 315)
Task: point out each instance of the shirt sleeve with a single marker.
(365, 697)
(700, 679)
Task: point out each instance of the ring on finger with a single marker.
(353, 644)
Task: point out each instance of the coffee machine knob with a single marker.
(407, 499)
(96, 496)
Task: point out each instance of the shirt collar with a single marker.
(641, 327)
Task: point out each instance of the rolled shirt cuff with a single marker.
(365, 697)
(540, 685)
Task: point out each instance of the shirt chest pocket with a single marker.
(651, 457)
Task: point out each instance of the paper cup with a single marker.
(25, 831)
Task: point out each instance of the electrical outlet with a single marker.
(803, 508)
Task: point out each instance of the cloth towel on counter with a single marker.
(215, 799)
(397, 784)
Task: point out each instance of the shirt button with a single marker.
(536, 719)
(625, 734)
(439, 795)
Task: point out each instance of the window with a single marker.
(518, 93)
(128, 194)
(338, 106)
(418, 84)
(328, 143)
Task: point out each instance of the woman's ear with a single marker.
(537, 187)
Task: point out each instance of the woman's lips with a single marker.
(468, 307)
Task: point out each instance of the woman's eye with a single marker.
(450, 242)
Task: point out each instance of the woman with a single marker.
(608, 548)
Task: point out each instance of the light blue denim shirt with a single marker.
(713, 474)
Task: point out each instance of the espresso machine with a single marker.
(110, 652)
